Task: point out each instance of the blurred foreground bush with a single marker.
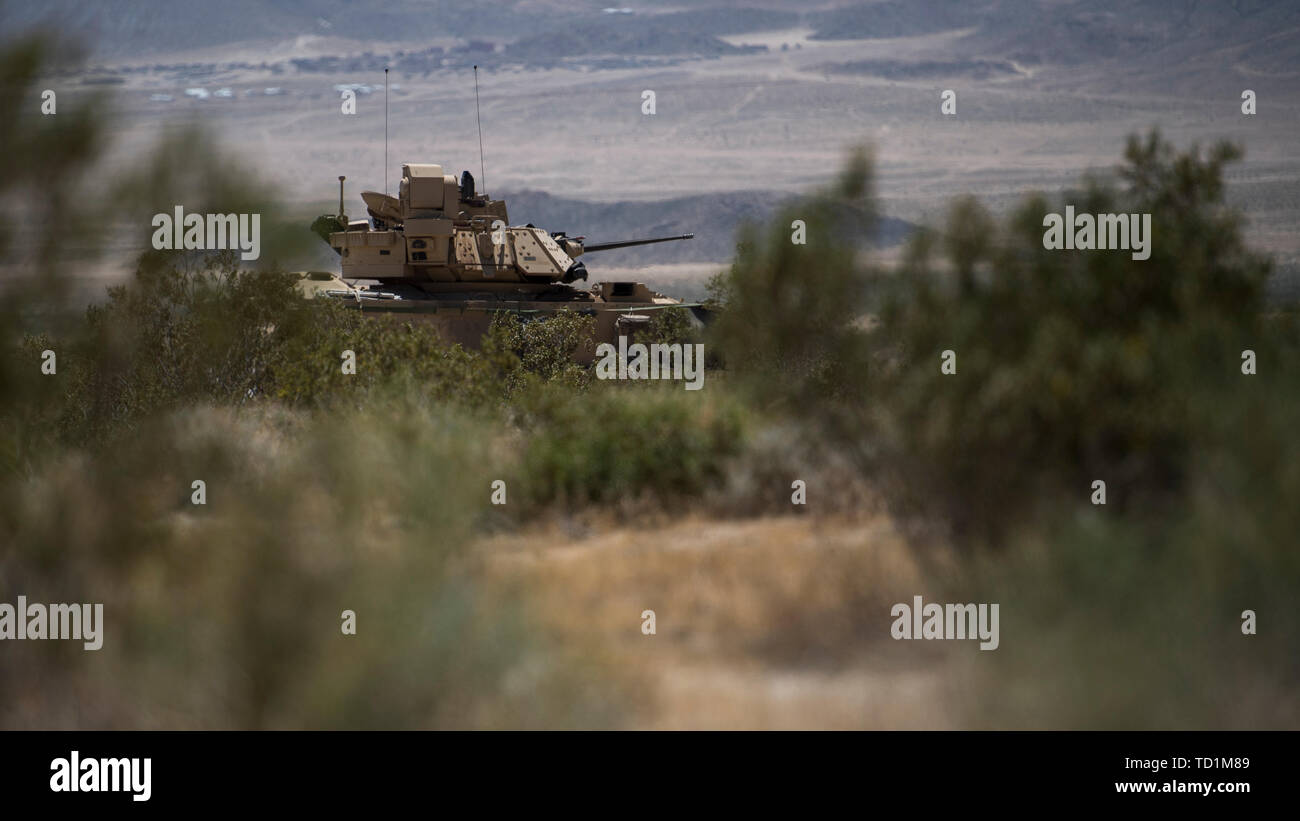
(1071, 367)
(787, 328)
(228, 615)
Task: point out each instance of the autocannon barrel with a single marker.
(606, 246)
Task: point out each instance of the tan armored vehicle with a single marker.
(441, 252)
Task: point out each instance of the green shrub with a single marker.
(528, 349)
(671, 326)
(626, 442)
(200, 329)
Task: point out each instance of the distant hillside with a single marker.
(713, 218)
(896, 18)
(1140, 32)
(544, 32)
(123, 27)
(1148, 37)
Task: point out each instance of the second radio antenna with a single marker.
(385, 132)
(481, 167)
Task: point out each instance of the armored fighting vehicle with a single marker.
(443, 253)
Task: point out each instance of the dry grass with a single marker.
(774, 623)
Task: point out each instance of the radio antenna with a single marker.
(385, 132)
(482, 169)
